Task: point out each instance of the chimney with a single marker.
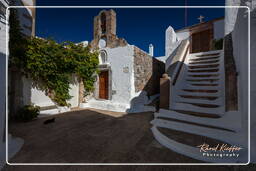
(151, 50)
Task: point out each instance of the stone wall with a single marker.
(147, 72)
(109, 35)
(231, 98)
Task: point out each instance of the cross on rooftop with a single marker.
(200, 18)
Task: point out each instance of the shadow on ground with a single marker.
(87, 136)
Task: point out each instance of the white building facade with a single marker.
(128, 75)
(26, 17)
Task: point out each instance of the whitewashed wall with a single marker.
(39, 98)
(74, 92)
(121, 75)
(122, 83)
(183, 34)
(218, 29)
(171, 41)
(237, 24)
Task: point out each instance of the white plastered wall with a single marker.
(120, 62)
(171, 41)
(218, 29)
(39, 98)
(237, 24)
(121, 58)
(183, 34)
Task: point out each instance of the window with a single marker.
(103, 23)
(103, 57)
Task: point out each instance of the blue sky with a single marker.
(138, 26)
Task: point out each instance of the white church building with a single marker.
(128, 75)
(128, 79)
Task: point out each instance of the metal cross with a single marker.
(200, 18)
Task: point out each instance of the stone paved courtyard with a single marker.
(91, 136)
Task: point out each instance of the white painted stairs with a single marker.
(198, 108)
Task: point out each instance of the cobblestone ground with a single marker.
(92, 136)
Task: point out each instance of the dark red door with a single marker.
(103, 88)
(201, 41)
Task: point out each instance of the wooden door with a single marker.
(103, 87)
(201, 41)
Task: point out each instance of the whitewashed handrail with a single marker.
(179, 58)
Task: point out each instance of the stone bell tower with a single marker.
(104, 31)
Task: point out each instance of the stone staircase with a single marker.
(198, 108)
(200, 91)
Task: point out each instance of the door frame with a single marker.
(105, 88)
(97, 90)
(200, 35)
(201, 28)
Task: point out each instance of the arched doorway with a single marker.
(103, 76)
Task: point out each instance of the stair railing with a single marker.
(179, 59)
(173, 68)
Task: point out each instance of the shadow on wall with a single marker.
(19, 91)
(170, 59)
(148, 98)
(2, 96)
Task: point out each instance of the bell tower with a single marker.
(105, 23)
(104, 31)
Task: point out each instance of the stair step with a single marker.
(204, 62)
(223, 135)
(190, 87)
(199, 97)
(211, 54)
(205, 84)
(200, 91)
(196, 124)
(199, 114)
(204, 66)
(207, 53)
(203, 75)
(203, 80)
(201, 104)
(200, 110)
(203, 70)
(48, 107)
(204, 59)
(217, 122)
(190, 150)
(218, 101)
